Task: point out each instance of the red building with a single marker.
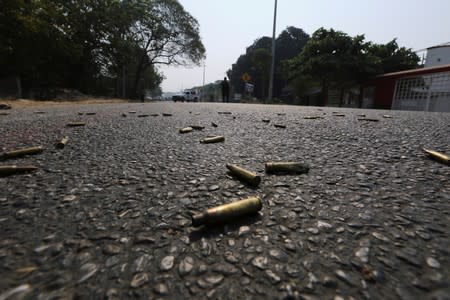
(426, 89)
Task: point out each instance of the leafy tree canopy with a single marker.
(85, 43)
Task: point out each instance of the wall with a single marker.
(438, 56)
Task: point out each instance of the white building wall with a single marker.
(438, 56)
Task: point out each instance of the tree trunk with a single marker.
(341, 98)
(19, 86)
(324, 99)
(124, 84)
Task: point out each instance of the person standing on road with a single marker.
(225, 90)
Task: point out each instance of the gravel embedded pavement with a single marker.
(109, 215)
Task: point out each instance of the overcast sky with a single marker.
(227, 27)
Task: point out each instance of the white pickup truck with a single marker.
(187, 95)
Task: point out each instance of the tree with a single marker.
(334, 59)
(166, 34)
(393, 58)
(91, 45)
(262, 59)
(289, 43)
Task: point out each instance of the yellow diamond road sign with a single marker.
(246, 77)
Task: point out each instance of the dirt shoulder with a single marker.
(21, 103)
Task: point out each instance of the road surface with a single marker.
(109, 215)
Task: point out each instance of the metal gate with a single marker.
(429, 92)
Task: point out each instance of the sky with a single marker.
(228, 27)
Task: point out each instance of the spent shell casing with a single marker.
(186, 129)
(312, 117)
(368, 119)
(244, 174)
(62, 143)
(197, 127)
(13, 169)
(22, 152)
(441, 157)
(75, 124)
(227, 212)
(286, 167)
(213, 139)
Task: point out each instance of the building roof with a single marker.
(439, 46)
(420, 71)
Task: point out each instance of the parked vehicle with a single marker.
(187, 95)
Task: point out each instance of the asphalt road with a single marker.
(108, 216)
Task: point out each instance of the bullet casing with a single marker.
(368, 119)
(312, 117)
(75, 124)
(214, 139)
(13, 169)
(227, 212)
(186, 129)
(62, 143)
(286, 167)
(244, 174)
(197, 127)
(22, 152)
(438, 156)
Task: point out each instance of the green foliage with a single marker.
(256, 61)
(336, 60)
(392, 58)
(84, 43)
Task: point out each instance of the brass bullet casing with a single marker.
(312, 117)
(368, 119)
(213, 139)
(244, 175)
(62, 143)
(21, 152)
(76, 124)
(197, 127)
(13, 169)
(227, 212)
(286, 168)
(186, 129)
(441, 157)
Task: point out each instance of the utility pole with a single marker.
(272, 68)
